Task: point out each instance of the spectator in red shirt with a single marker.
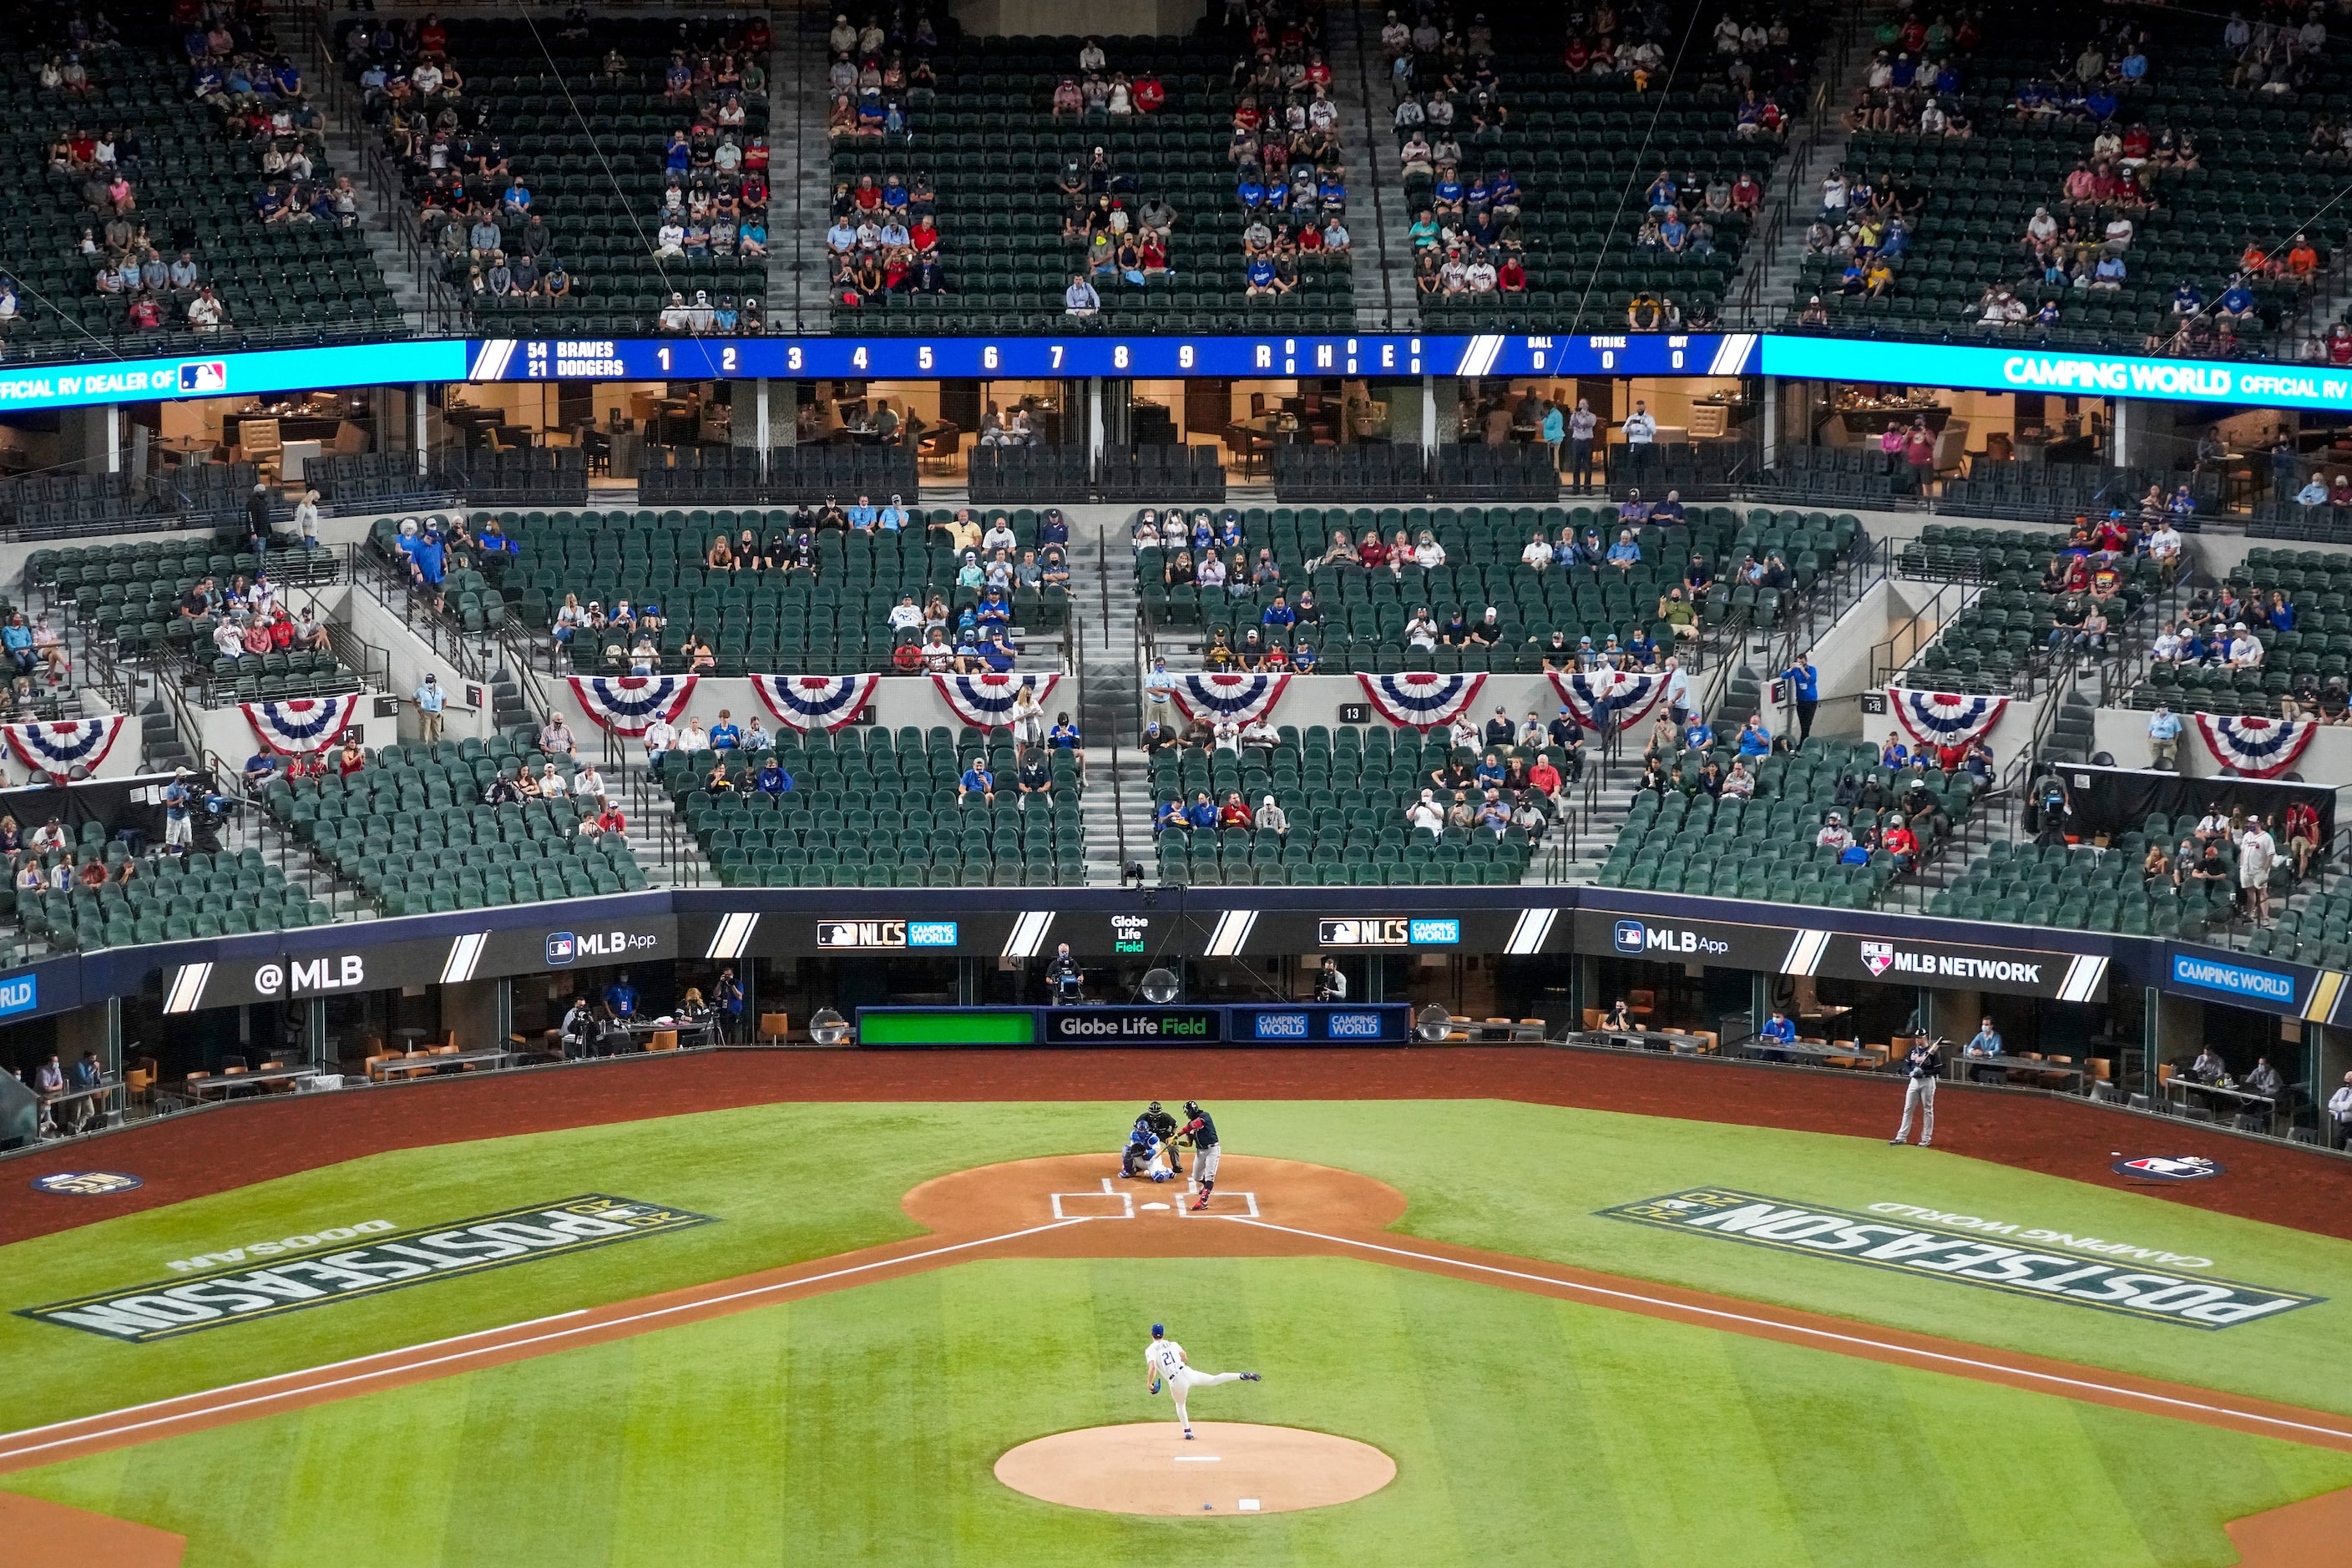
(1900, 846)
(1952, 758)
(433, 39)
(610, 820)
(352, 761)
(1235, 812)
(1512, 277)
(1150, 96)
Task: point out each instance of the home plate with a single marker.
(1250, 1469)
(1155, 1206)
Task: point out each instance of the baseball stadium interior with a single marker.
(1809, 540)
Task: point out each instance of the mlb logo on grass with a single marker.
(1878, 955)
(201, 375)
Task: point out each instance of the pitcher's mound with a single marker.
(1232, 1466)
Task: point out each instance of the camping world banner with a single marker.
(807, 702)
(303, 723)
(1945, 718)
(628, 704)
(57, 749)
(2257, 748)
(1241, 699)
(985, 701)
(1630, 695)
(1420, 701)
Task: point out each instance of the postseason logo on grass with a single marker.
(167, 1309)
(1911, 1247)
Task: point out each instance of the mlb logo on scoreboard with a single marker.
(204, 375)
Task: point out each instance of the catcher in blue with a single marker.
(1165, 1358)
(1150, 1148)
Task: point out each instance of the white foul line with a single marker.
(651, 1312)
(1829, 1335)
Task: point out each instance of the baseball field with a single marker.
(802, 1314)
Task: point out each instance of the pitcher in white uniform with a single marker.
(1165, 1358)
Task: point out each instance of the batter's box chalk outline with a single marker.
(1185, 1210)
(1126, 1202)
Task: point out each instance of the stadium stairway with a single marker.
(797, 268)
(1802, 178)
(379, 217)
(1110, 683)
(1384, 292)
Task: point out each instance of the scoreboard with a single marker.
(1090, 354)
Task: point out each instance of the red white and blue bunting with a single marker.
(1240, 698)
(1420, 701)
(628, 704)
(2257, 748)
(57, 749)
(985, 701)
(1631, 694)
(1945, 718)
(303, 723)
(807, 702)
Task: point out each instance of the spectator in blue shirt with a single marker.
(2187, 300)
(997, 653)
(1807, 682)
(893, 517)
(977, 780)
(1698, 735)
(1302, 659)
(1279, 613)
(1894, 753)
(1052, 528)
(1755, 741)
(771, 778)
(260, 771)
(1172, 816)
(724, 735)
(862, 516)
(2164, 736)
(2237, 300)
(1202, 813)
(1624, 555)
(1262, 277)
(17, 637)
(1781, 1028)
(622, 996)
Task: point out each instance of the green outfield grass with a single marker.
(860, 1427)
(791, 1183)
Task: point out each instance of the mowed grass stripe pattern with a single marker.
(792, 1182)
(860, 1427)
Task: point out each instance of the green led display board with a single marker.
(947, 1027)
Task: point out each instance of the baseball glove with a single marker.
(1155, 1385)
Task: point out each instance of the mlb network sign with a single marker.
(1935, 1251)
(1878, 957)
